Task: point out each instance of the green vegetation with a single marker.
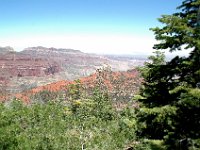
(170, 104)
(75, 124)
(165, 115)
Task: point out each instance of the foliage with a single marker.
(167, 116)
(75, 90)
(170, 94)
(76, 124)
(74, 121)
(45, 96)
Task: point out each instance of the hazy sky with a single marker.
(97, 26)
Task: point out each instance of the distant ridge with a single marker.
(38, 66)
(6, 49)
(51, 49)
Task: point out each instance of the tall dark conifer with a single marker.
(170, 109)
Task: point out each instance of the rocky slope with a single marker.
(37, 66)
(121, 86)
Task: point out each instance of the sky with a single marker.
(93, 26)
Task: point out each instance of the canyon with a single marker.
(39, 66)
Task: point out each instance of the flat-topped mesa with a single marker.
(6, 49)
(40, 65)
(51, 49)
(69, 50)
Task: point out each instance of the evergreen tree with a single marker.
(171, 98)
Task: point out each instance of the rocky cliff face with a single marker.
(121, 86)
(37, 66)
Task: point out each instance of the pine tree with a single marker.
(171, 98)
